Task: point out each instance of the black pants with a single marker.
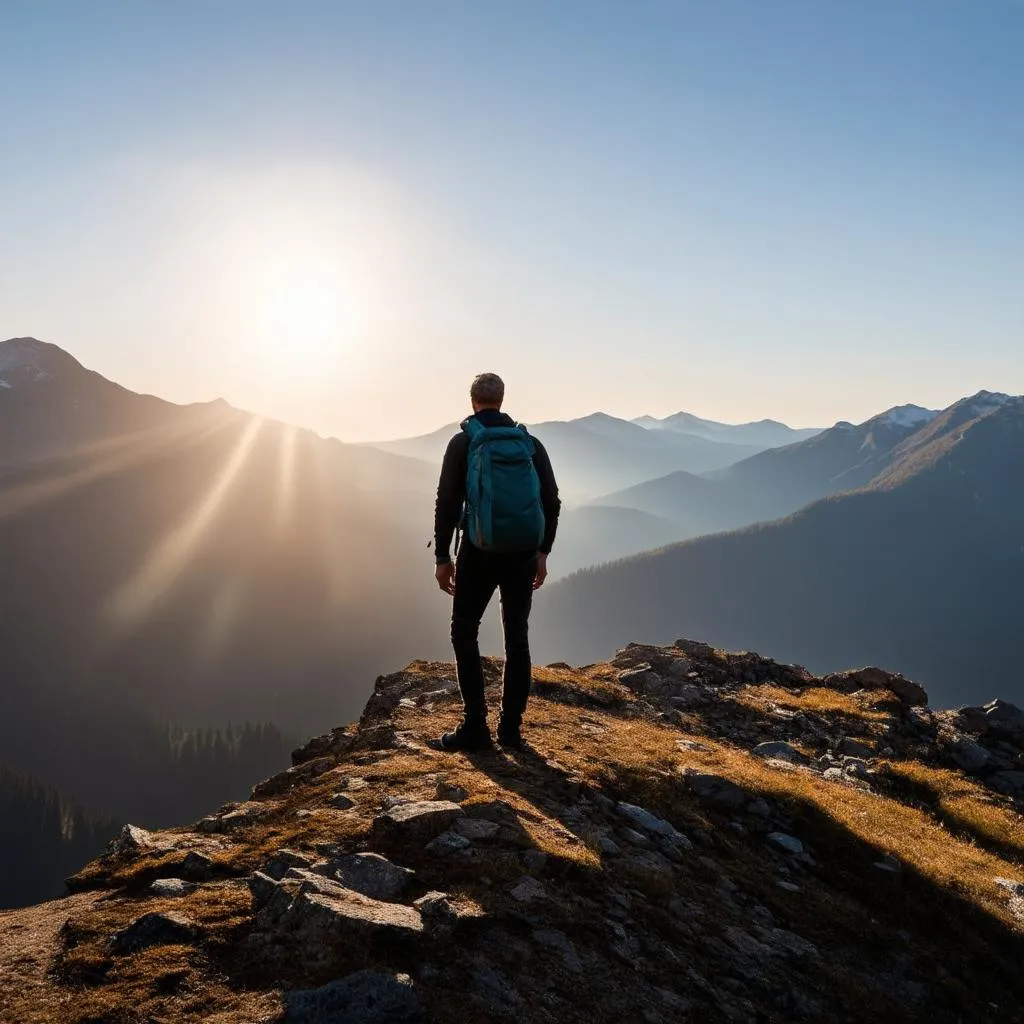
(477, 575)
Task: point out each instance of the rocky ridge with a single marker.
(691, 835)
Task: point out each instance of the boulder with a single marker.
(1004, 719)
(874, 678)
(715, 790)
(476, 829)
(968, 754)
(341, 802)
(283, 861)
(131, 841)
(372, 875)
(779, 750)
(645, 820)
(152, 930)
(448, 842)
(171, 887)
(335, 743)
(194, 867)
(366, 997)
(642, 679)
(786, 843)
(855, 748)
(646, 866)
(323, 913)
(238, 816)
(527, 890)
(418, 821)
(436, 910)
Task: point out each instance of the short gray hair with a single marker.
(487, 389)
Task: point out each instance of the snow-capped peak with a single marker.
(18, 353)
(985, 402)
(908, 416)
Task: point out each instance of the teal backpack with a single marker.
(503, 507)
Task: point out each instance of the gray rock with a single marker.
(786, 843)
(1004, 718)
(450, 792)
(420, 820)
(716, 790)
(323, 913)
(527, 890)
(372, 875)
(642, 679)
(172, 887)
(646, 866)
(856, 767)
(447, 843)
(263, 888)
(282, 861)
(341, 802)
(645, 820)
(854, 748)
(686, 696)
(679, 668)
(969, 754)
(366, 997)
(152, 930)
(195, 867)
(890, 864)
(760, 808)
(780, 750)
(238, 817)
(630, 835)
(562, 944)
(608, 846)
(350, 783)
(476, 829)
(1012, 887)
(436, 910)
(131, 841)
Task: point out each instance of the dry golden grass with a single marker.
(818, 699)
(964, 806)
(644, 751)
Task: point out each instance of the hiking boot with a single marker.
(509, 734)
(468, 736)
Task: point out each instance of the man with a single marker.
(508, 507)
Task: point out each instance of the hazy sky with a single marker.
(336, 213)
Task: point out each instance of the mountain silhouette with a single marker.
(600, 453)
(762, 433)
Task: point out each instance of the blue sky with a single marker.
(337, 213)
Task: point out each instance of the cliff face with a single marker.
(692, 835)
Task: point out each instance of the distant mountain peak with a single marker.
(29, 360)
(906, 416)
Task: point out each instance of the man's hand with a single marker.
(541, 571)
(445, 576)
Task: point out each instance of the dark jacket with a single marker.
(451, 488)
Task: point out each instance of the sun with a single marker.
(307, 315)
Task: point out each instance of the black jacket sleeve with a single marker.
(548, 495)
(451, 495)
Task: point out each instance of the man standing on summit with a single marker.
(497, 486)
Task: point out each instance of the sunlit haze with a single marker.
(336, 214)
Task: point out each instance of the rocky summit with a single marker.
(690, 835)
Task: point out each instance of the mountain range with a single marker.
(918, 562)
(600, 453)
(171, 573)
